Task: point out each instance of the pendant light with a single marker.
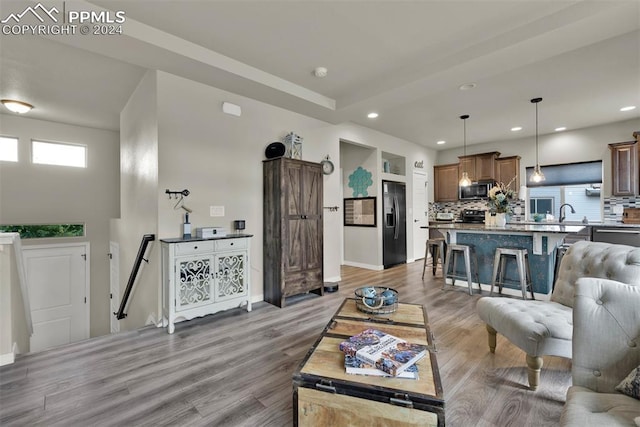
(465, 181)
(537, 175)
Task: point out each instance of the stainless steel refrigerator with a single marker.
(394, 224)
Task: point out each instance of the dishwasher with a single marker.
(617, 235)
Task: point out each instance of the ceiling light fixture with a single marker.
(465, 181)
(467, 86)
(441, 142)
(560, 129)
(628, 108)
(537, 174)
(516, 128)
(372, 115)
(16, 106)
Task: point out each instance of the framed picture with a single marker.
(360, 212)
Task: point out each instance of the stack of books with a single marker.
(373, 352)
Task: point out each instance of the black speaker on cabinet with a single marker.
(274, 150)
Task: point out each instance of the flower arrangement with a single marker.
(500, 196)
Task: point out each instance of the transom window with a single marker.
(55, 153)
(8, 149)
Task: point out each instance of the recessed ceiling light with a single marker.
(516, 128)
(560, 129)
(467, 86)
(372, 115)
(441, 142)
(628, 108)
(17, 106)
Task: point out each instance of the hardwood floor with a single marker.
(234, 368)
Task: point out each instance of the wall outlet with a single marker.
(618, 209)
(216, 210)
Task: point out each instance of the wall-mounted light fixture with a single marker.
(16, 106)
(465, 181)
(537, 174)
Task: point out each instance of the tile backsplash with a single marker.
(612, 207)
(518, 207)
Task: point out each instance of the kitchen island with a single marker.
(540, 240)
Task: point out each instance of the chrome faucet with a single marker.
(562, 206)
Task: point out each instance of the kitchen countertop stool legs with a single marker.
(521, 256)
(435, 246)
(471, 268)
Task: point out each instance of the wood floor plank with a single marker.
(235, 368)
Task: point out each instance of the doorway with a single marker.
(58, 283)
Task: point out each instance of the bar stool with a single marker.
(466, 251)
(521, 256)
(436, 247)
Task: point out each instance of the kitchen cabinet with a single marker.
(293, 247)
(479, 167)
(445, 178)
(507, 168)
(204, 276)
(624, 168)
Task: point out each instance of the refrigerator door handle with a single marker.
(396, 228)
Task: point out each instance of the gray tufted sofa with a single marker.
(545, 327)
(606, 348)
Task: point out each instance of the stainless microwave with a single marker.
(475, 191)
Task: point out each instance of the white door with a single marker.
(420, 235)
(58, 282)
(114, 285)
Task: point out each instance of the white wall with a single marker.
(139, 201)
(218, 157)
(45, 194)
(562, 147)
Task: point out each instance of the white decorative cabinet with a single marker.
(204, 276)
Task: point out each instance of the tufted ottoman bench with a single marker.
(542, 328)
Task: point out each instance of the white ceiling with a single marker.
(403, 59)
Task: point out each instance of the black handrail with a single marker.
(134, 272)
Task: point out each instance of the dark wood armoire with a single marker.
(292, 249)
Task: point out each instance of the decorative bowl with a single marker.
(376, 299)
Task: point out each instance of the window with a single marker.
(8, 149)
(540, 205)
(44, 230)
(576, 184)
(53, 153)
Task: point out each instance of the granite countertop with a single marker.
(200, 239)
(511, 227)
(612, 224)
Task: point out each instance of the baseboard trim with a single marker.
(505, 290)
(9, 358)
(362, 265)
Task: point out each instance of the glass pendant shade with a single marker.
(464, 181)
(537, 175)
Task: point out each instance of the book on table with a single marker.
(355, 366)
(386, 352)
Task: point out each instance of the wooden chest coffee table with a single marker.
(325, 395)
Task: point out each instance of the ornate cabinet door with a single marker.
(230, 275)
(195, 282)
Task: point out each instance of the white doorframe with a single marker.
(420, 215)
